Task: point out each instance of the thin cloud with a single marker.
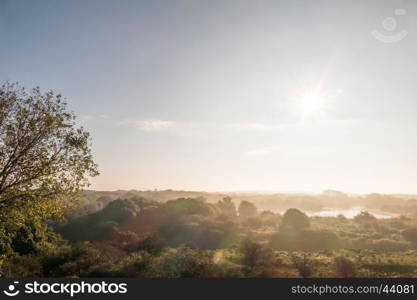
(195, 128)
(92, 117)
(254, 127)
(143, 125)
(259, 152)
(154, 125)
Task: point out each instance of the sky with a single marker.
(229, 95)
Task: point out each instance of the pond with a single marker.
(351, 212)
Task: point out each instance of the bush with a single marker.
(410, 234)
(82, 260)
(304, 264)
(186, 206)
(103, 224)
(270, 219)
(306, 240)
(189, 263)
(247, 210)
(227, 207)
(153, 245)
(388, 245)
(140, 264)
(294, 220)
(364, 217)
(257, 259)
(344, 267)
(22, 266)
(199, 232)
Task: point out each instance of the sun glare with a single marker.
(311, 103)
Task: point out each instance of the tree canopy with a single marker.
(45, 159)
(247, 209)
(294, 220)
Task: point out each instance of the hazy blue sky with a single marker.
(229, 95)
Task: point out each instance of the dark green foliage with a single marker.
(304, 264)
(199, 232)
(190, 263)
(22, 266)
(186, 206)
(140, 264)
(294, 220)
(104, 223)
(365, 217)
(119, 210)
(29, 238)
(410, 234)
(247, 210)
(307, 240)
(390, 268)
(227, 207)
(269, 219)
(186, 237)
(257, 259)
(381, 244)
(153, 245)
(82, 260)
(45, 162)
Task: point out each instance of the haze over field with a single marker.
(222, 139)
(227, 96)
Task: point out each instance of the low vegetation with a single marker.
(189, 237)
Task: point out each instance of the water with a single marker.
(350, 213)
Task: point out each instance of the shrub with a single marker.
(153, 245)
(410, 234)
(294, 220)
(304, 264)
(22, 266)
(247, 209)
(364, 217)
(139, 264)
(344, 267)
(189, 263)
(257, 259)
(186, 206)
(390, 245)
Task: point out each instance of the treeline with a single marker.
(190, 237)
(93, 201)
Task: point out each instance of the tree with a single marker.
(268, 218)
(247, 209)
(45, 160)
(187, 206)
(294, 220)
(227, 207)
(258, 260)
(364, 217)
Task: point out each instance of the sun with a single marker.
(311, 102)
